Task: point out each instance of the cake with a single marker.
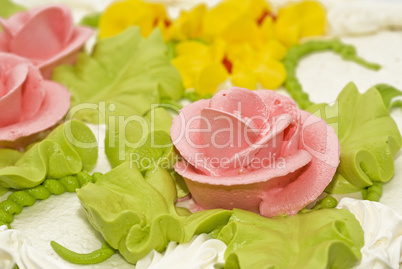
(62, 219)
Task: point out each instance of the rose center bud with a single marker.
(238, 134)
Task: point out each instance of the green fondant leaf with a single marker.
(135, 213)
(388, 93)
(68, 149)
(3, 191)
(125, 75)
(369, 138)
(327, 238)
(144, 141)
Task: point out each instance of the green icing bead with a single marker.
(96, 176)
(10, 207)
(18, 200)
(54, 186)
(373, 193)
(39, 192)
(83, 178)
(22, 198)
(5, 217)
(327, 202)
(70, 183)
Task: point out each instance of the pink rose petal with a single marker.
(314, 179)
(286, 168)
(244, 191)
(16, 22)
(242, 103)
(55, 105)
(226, 136)
(279, 105)
(46, 36)
(10, 102)
(33, 94)
(69, 53)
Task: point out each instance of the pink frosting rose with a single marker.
(28, 104)
(254, 150)
(46, 36)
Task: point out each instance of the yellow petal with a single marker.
(288, 32)
(273, 50)
(218, 50)
(218, 18)
(189, 68)
(297, 20)
(242, 52)
(242, 29)
(259, 8)
(313, 18)
(122, 14)
(191, 48)
(267, 30)
(209, 78)
(243, 76)
(271, 74)
(188, 25)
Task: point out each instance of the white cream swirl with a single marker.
(15, 249)
(365, 17)
(382, 233)
(201, 252)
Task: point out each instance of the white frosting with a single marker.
(365, 17)
(80, 7)
(382, 233)
(201, 252)
(15, 249)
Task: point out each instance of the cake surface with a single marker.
(323, 75)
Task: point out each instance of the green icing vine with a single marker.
(97, 256)
(296, 53)
(17, 200)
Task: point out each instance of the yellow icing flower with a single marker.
(240, 39)
(122, 14)
(188, 25)
(201, 65)
(298, 20)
